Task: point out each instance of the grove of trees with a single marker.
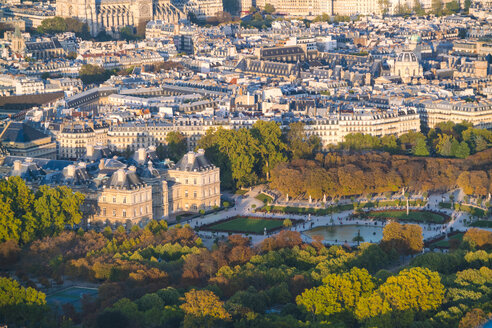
(164, 277)
(26, 215)
(338, 174)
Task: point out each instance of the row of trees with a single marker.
(338, 174)
(447, 139)
(26, 215)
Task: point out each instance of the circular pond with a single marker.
(342, 233)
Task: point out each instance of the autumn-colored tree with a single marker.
(338, 293)
(474, 318)
(478, 238)
(405, 238)
(416, 289)
(203, 307)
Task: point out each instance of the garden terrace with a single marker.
(243, 224)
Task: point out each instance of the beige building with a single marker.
(125, 197)
(194, 184)
(74, 139)
(333, 130)
(143, 135)
(320, 7)
(435, 112)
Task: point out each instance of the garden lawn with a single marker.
(264, 198)
(246, 225)
(417, 216)
(445, 243)
(482, 224)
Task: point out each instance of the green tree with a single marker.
(176, 145)
(128, 33)
(301, 145)
(19, 305)
(445, 145)
(462, 150)
(420, 148)
(9, 224)
(270, 145)
(436, 7)
(56, 208)
(417, 8)
(452, 7)
(93, 74)
(384, 6)
(269, 8)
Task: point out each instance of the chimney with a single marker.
(132, 169)
(120, 175)
(17, 165)
(190, 157)
(101, 164)
(201, 151)
(70, 171)
(90, 150)
(141, 155)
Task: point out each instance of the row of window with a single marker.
(141, 211)
(142, 197)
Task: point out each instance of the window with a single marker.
(104, 198)
(124, 213)
(186, 193)
(114, 212)
(194, 194)
(114, 199)
(141, 210)
(124, 200)
(104, 211)
(194, 181)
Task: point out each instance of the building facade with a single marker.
(194, 184)
(125, 197)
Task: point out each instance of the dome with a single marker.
(407, 57)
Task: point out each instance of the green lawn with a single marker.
(418, 216)
(241, 192)
(247, 225)
(264, 198)
(445, 243)
(482, 224)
